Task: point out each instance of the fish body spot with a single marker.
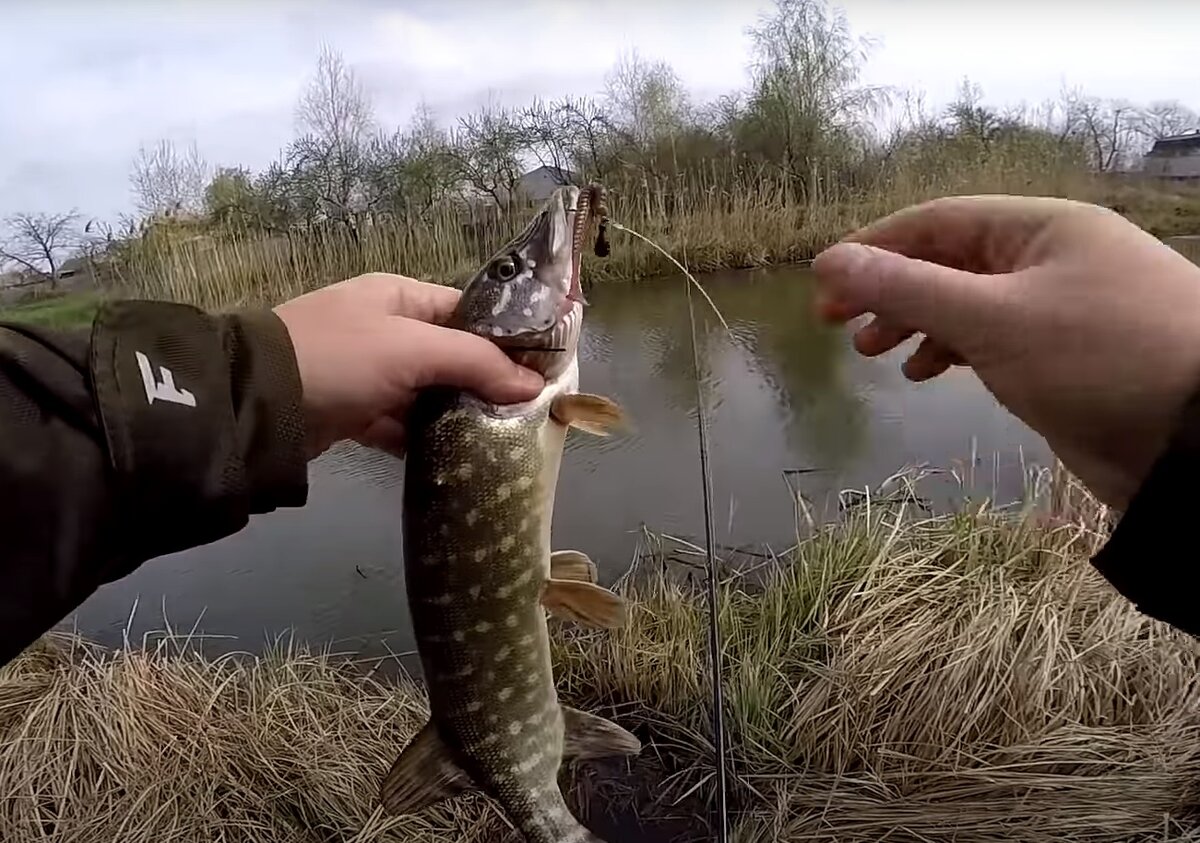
(503, 653)
(503, 492)
(507, 542)
(474, 591)
(510, 621)
(515, 727)
(483, 626)
(474, 706)
(504, 694)
(472, 516)
(480, 555)
(465, 471)
(459, 635)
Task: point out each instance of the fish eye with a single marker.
(505, 268)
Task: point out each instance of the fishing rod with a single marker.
(714, 620)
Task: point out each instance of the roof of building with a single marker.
(1188, 140)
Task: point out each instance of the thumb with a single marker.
(455, 358)
(943, 303)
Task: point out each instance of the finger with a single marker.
(928, 361)
(947, 304)
(834, 310)
(983, 234)
(386, 434)
(456, 358)
(879, 336)
(399, 295)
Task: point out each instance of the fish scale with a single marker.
(479, 490)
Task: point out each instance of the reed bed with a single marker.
(715, 216)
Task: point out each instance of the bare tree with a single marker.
(1108, 129)
(486, 150)
(167, 181)
(328, 161)
(335, 107)
(1165, 118)
(646, 99)
(37, 242)
(807, 101)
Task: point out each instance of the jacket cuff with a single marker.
(201, 416)
(1149, 557)
(272, 433)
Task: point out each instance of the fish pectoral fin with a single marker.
(424, 773)
(592, 413)
(589, 736)
(583, 602)
(572, 565)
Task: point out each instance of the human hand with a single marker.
(1084, 326)
(365, 346)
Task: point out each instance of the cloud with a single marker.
(228, 74)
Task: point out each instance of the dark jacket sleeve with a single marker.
(159, 429)
(1150, 557)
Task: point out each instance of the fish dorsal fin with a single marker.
(591, 413)
(589, 736)
(424, 773)
(583, 602)
(572, 565)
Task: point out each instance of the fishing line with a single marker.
(714, 625)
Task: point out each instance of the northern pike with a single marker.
(480, 575)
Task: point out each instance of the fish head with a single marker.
(527, 298)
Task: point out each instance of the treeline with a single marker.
(806, 131)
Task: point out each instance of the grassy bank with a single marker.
(713, 217)
(963, 677)
(58, 310)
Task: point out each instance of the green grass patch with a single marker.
(62, 310)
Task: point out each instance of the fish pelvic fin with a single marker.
(584, 603)
(593, 414)
(588, 736)
(572, 565)
(422, 775)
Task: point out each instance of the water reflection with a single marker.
(785, 392)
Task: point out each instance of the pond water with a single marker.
(784, 393)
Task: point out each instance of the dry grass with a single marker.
(896, 676)
(712, 217)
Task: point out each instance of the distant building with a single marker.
(537, 185)
(1175, 157)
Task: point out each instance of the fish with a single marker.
(481, 576)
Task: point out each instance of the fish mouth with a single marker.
(547, 351)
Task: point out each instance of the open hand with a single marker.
(1083, 325)
(365, 346)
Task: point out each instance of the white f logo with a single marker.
(164, 390)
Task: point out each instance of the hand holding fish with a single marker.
(1080, 323)
(364, 347)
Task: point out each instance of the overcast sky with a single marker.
(83, 83)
